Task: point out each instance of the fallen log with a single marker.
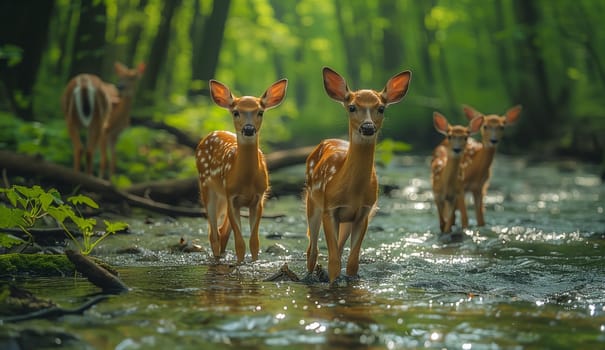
(97, 275)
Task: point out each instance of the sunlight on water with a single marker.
(533, 277)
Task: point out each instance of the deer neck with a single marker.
(486, 156)
(247, 159)
(359, 163)
(452, 169)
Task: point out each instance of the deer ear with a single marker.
(396, 87)
(141, 68)
(275, 94)
(470, 112)
(475, 124)
(513, 114)
(440, 123)
(335, 85)
(221, 95)
(119, 67)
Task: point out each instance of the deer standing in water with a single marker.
(341, 186)
(446, 177)
(232, 169)
(102, 109)
(478, 157)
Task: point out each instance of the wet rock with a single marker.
(276, 249)
(40, 339)
(284, 274)
(15, 301)
(185, 246)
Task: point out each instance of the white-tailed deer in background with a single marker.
(232, 169)
(478, 157)
(85, 104)
(341, 185)
(446, 177)
(102, 109)
(119, 118)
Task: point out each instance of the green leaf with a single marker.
(86, 225)
(61, 212)
(13, 197)
(113, 227)
(11, 217)
(81, 199)
(56, 196)
(46, 199)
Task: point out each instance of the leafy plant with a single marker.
(29, 204)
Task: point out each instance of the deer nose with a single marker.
(457, 150)
(248, 130)
(494, 141)
(367, 129)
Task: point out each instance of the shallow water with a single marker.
(533, 278)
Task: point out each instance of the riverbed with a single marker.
(532, 278)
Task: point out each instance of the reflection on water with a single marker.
(534, 277)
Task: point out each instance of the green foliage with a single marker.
(472, 52)
(29, 204)
(8, 241)
(387, 149)
(36, 264)
(11, 54)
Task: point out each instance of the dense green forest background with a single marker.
(492, 54)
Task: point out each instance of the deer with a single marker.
(446, 177)
(341, 187)
(478, 157)
(102, 109)
(119, 118)
(232, 169)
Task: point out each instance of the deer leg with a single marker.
(314, 224)
(94, 135)
(256, 211)
(344, 231)
(234, 215)
(331, 226)
(478, 198)
(440, 213)
(461, 205)
(225, 230)
(210, 203)
(448, 215)
(359, 231)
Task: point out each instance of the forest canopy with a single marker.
(490, 54)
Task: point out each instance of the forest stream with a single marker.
(532, 278)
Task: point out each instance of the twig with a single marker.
(55, 312)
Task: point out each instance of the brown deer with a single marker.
(446, 177)
(478, 157)
(102, 109)
(232, 169)
(341, 185)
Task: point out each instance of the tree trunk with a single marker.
(534, 90)
(25, 25)
(89, 46)
(134, 36)
(207, 48)
(392, 42)
(157, 55)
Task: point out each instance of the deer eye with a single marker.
(352, 108)
(380, 109)
(235, 114)
(260, 113)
